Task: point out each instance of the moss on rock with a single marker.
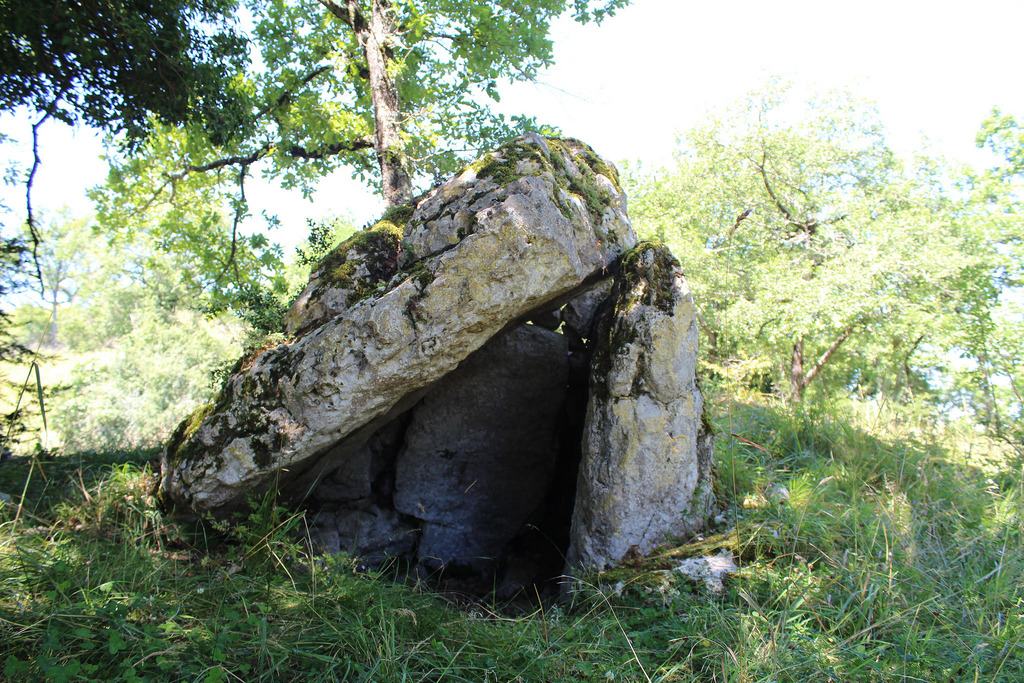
(183, 433)
(503, 165)
(573, 165)
(668, 556)
(374, 261)
(648, 271)
(646, 276)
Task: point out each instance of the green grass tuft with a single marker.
(898, 556)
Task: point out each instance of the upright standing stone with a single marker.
(646, 469)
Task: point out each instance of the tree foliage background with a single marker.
(823, 263)
(821, 260)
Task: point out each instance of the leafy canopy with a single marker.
(814, 250)
(307, 101)
(117, 64)
(309, 106)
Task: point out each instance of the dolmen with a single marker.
(494, 380)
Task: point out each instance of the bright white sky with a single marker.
(627, 87)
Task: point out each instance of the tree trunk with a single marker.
(53, 322)
(374, 37)
(796, 373)
(798, 381)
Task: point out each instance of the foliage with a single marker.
(898, 557)
(124, 67)
(1001, 134)
(985, 378)
(193, 228)
(13, 255)
(135, 394)
(311, 107)
(324, 235)
(113, 65)
(62, 259)
(106, 275)
(444, 59)
(814, 253)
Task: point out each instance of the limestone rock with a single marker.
(482, 446)
(645, 474)
(374, 533)
(360, 475)
(525, 227)
(581, 312)
(350, 273)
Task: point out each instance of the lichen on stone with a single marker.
(573, 165)
(503, 165)
(646, 449)
(646, 276)
(360, 268)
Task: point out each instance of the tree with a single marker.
(984, 371)
(416, 56)
(114, 64)
(1003, 136)
(136, 391)
(810, 245)
(119, 66)
(392, 88)
(191, 221)
(61, 256)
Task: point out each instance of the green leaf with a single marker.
(14, 666)
(116, 643)
(39, 396)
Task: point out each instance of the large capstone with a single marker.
(523, 228)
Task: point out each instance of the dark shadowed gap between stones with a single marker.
(472, 489)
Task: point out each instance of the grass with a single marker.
(899, 556)
(18, 388)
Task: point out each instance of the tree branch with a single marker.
(244, 161)
(806, 381)
(354, 20)
(296, 151)
(30, 215)
(283, 97)
(299, 152)
(809, 226)
(906, 360)
(739, 219)
(771, 193)
(240, 208)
